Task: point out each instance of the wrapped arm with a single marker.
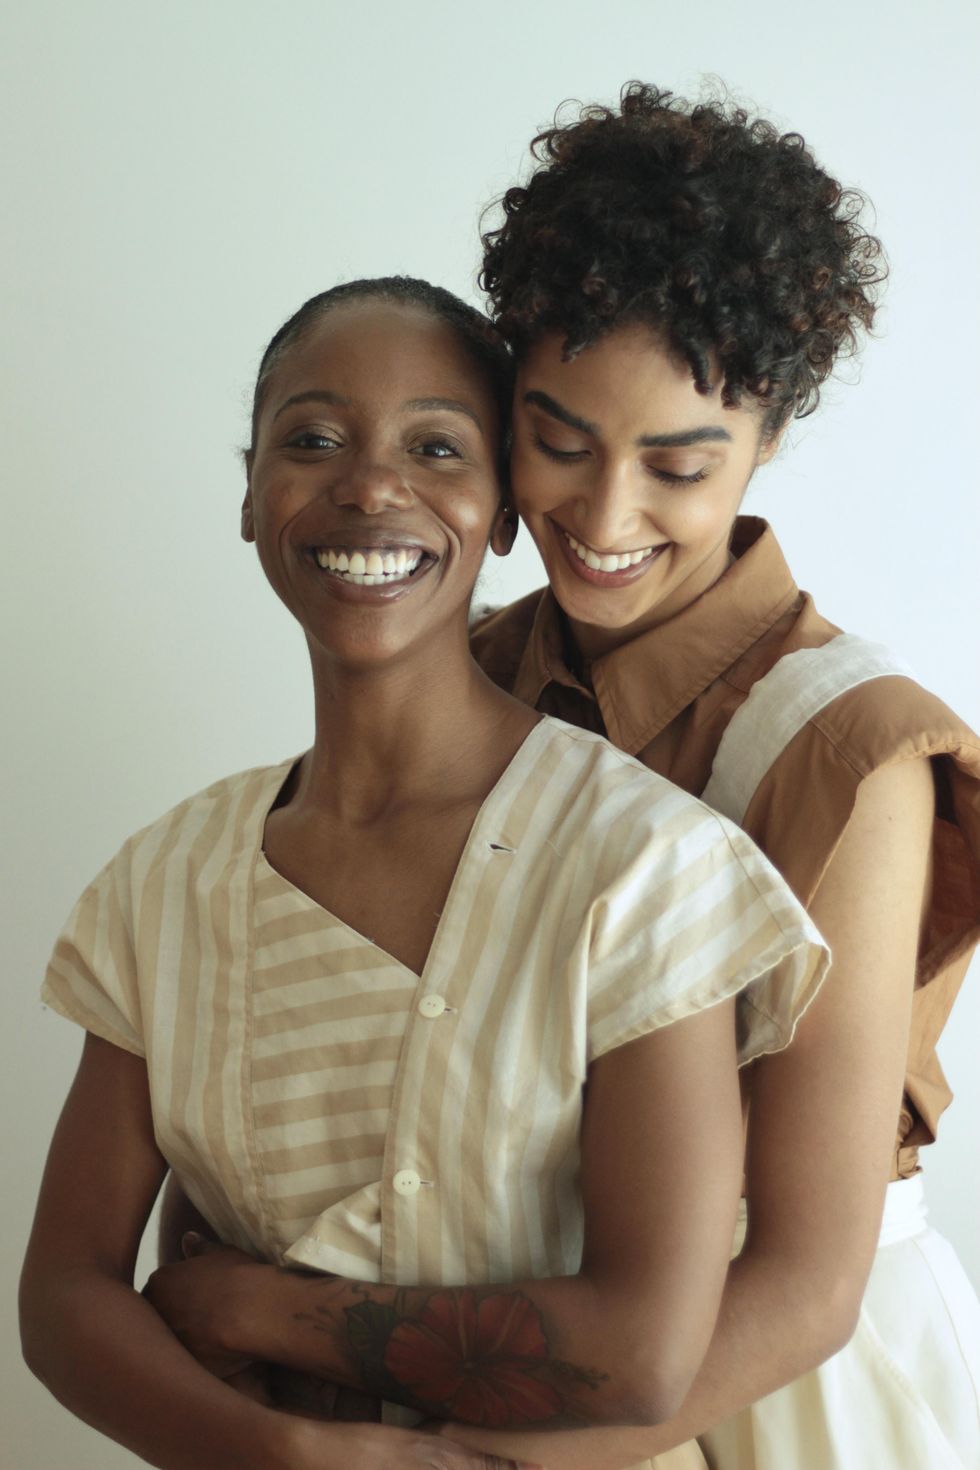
(618, 1343)
(821, 1129)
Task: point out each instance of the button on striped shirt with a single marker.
(323, 1105)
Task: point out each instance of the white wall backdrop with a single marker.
(176, 179)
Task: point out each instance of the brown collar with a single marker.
(643, 684)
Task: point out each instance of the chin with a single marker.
(596, 609)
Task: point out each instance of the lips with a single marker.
(605, 568)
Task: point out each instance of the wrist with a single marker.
(279, 1442)
(250, 1325)
(278, 1305)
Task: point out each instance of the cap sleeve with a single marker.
(91, 977)
(696, 918)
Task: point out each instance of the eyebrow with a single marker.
(337, 400)
(451, 405)
(313, 395)
(706, 433)
(564, 415)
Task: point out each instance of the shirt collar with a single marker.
(643, 684)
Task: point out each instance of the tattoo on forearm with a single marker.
(473, 1354)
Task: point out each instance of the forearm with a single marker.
(774, 1325)
(566, 1351)
(821, 1131)
(106, 1355)
(618, 1343)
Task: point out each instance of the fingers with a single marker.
(494, 1462)
(193, 1243)
(462, 1459)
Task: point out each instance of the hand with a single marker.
(207, 1300)
(382, 1447)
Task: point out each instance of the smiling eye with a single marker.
(437, 448)
(312, 439)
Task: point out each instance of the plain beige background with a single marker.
(177, 179)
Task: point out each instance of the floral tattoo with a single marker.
(472, 1354)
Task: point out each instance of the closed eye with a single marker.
(668, 479)
(553, 453)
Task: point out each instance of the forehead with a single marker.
(630, 377)
(374, 347)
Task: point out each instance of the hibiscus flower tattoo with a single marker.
(478, 1356)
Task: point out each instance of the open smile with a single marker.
(605, 568)
(384, 570)
(369, 566)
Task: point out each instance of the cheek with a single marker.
(531, 484)
(469, 516)
(534, 494)
(701, 515)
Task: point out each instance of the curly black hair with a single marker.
(701, 221)
(475, 332)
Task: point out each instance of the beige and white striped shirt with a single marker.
(324, 1105)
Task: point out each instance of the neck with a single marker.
(395, 734)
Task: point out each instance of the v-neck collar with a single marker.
(488, 836)
(642, 685)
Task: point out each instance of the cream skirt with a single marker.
(905, 1392)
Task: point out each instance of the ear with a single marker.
(769, 445)
(504, 532)
(248, 523)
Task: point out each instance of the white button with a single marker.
(432, 1006)
(406, 1181)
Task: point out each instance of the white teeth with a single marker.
(369, 568)
(615, 561)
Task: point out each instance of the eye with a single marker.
(436, 446)
(560, 454)
(668, 479)
(313, 440)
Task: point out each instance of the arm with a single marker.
(572, 1350)
(86, 1333)
(104, 1352)
(821, 1130)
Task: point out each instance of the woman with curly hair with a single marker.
(677, 281)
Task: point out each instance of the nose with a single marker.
(612, 508)
(371, 486)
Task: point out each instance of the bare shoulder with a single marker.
(878, 876)
(900, 796)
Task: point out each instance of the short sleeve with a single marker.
(91, 977)
(699, 916)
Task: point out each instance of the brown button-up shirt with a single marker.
(666, 697)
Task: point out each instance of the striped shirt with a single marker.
(323, 1105)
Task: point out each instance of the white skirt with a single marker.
(904, 1394)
